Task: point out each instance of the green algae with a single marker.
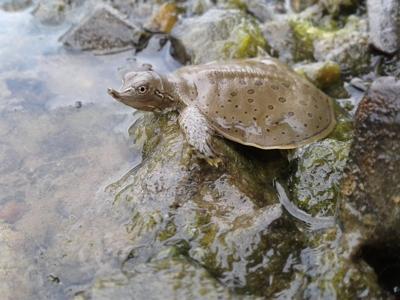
(245, 40)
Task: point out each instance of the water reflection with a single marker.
(58, 227)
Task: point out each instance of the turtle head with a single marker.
(143, 90)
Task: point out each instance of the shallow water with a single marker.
(63, 140)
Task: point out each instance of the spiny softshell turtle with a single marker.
(255, 102)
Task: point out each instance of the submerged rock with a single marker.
(169, 276)
(104, 31)
(384, 24)
(218, 34)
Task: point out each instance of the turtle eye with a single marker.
(142, 89)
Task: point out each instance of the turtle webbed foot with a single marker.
(198, 134)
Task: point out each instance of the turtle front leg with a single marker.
(198, 133)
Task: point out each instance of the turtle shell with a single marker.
(261, 103)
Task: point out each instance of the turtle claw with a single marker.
(214, 161)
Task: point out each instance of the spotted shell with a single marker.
(261, 103)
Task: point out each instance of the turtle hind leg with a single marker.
(198, 133)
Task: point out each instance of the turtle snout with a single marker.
(113, 93)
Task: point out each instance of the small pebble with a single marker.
(78, 104)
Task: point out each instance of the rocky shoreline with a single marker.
(199, 232)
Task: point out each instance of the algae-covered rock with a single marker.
(347, 46)
(229, 217)
(164, 18)
(318, 169)
(219, 34)
(227, 222)
(322, 74)
(315, 184)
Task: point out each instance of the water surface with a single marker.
(62, 140)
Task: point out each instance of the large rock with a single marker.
(219, 34)
(227, 221)
(372, 184)
(104, 31)
(370, 208)
(384, 24)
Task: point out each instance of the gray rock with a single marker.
(384, 24)
(262, 10)
(279, 37)
(372, 180)
(218, 34)
(348, 47)
(14, 5)
(104, 31)
(54, 12)
(50, 12)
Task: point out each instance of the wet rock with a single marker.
(371, 187)
(315, 184)
(218, 34)
(165, 18)
(226, 221)
(104, 31)
(15, 5)
(384, 25)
